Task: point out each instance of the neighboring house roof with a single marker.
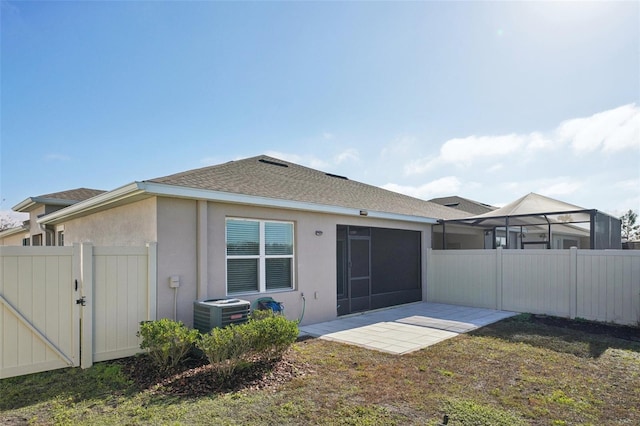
(11, 231)
(63, 198)
(268, 181)
(534, 209)
(463, 204)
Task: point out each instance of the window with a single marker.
(60, 238)
(36, 240)
(259, 255)
(26, 241)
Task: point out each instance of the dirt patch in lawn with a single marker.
(196, 377)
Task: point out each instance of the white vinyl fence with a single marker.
(599, 285)
(72, 306)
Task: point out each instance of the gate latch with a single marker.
(81, 301)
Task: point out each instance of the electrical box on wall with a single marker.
(174, 281)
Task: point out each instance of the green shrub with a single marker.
(265, 338)
(168, 341)
(226, 348)
(272, 335)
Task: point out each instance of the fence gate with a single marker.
(39, 318)
(72, 306)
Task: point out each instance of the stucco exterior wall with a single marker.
(13, 240)
(129, 225)
(315, 256)
(182, 228)
(177, 254)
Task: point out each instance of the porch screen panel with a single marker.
(395, 262)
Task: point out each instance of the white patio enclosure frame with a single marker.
(598, 285)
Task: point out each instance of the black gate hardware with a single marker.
(81, 301)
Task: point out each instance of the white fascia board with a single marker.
(101, 200)
(27, 204)
(209, 195)
(24, 205)
(11, 231)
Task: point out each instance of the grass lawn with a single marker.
(520, 371)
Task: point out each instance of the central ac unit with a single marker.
(208, 314)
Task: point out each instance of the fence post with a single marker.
(499, 278)
(429, 282)
(76, 259)
(152, 280)
(573, 283)
(86, 340)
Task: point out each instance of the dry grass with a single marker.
(518, 371)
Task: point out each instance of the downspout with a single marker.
(47, 232)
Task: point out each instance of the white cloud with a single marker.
(463, 152)
(327, 135)
(57, 157)
(628, 184)
(566, 186)
(495, 168)
(613, 130)
(443, 186)
(609, 131)
(401, 145)
(347, 155)
(419, 166)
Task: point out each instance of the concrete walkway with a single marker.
(405, 328)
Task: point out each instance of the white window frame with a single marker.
(262, 257)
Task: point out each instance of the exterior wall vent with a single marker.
(209, 314)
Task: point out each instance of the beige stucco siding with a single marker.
(129, 225)
(177, 239)
(192, 246)
(315, 261)
(13, 240)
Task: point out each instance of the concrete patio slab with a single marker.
(405, 328)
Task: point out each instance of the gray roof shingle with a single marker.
(270, 177)
(78, 194)
(464, 204)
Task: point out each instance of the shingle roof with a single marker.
(63, 198)
(464, 204)
(270, 177)
(78, 194)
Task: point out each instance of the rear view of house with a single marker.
(260, 226)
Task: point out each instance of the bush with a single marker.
(168, 341)
(266, 336)
(272, 335)
(226, 348)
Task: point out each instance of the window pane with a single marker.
(242, 275)
(278, 238)
(243, 238)
(278, 273)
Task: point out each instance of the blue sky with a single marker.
(487, 100)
